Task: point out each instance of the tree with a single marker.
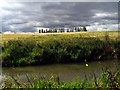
(84, 28)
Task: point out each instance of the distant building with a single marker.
(66, 28)
(42, 29)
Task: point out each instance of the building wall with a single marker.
(42, 30)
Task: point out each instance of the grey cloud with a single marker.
(14, 21)
(51, 14)
(79, 12)
(19, 28)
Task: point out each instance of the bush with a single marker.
(55, 49)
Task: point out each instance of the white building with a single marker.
(42, 29)
(67, 28)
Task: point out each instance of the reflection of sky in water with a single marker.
(66, 72)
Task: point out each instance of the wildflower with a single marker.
(86, 65)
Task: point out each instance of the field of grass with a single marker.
(112, 34)
(37, 49)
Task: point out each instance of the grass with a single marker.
(106, 80)
(112, 34)
(23, 50)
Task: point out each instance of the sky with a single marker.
(24, 16)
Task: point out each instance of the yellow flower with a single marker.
(86, 65)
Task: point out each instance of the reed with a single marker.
(107, 79)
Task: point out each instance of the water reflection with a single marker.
(66, 72)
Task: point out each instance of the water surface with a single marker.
(66, 72)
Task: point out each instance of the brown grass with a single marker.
(113, 35)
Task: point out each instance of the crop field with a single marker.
(112, 34)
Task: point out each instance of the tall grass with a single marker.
(107, 79)
(51, 49)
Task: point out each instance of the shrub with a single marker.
(57, 49)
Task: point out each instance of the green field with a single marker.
(47, 48)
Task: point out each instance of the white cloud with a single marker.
(3, 4)
(102, 27)
(105, 14)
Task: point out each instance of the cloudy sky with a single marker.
(24, 16)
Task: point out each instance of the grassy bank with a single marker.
(106, 80)
(59, 48)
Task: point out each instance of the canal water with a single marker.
(66, 72)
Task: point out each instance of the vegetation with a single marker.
(59, 48)
(84, 28)
(106, 80)
(34, 49)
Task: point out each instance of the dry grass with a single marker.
(113, 35)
